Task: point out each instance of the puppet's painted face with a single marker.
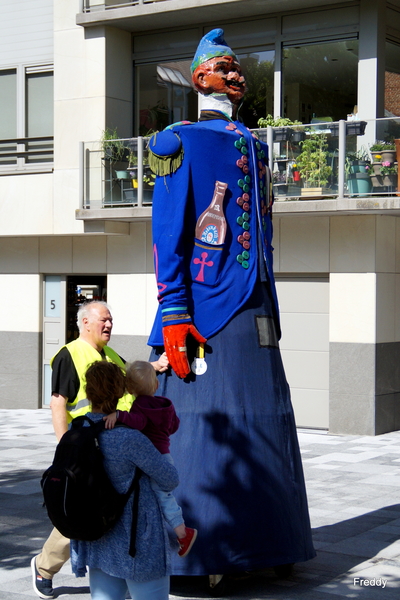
(221, 75)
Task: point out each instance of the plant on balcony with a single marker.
(381, 145)
(148, 177)
(283, 127)
(388, 168)
(312, 161)
(357, 162)
(269, 120)
(383, 174)
(112, 147)
(385, 150)
(357, 167)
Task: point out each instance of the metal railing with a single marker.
(19, 153)
(334, 159)
(115, 173)
(314, 161)
(88, 6)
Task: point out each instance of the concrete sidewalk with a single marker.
(353, 486)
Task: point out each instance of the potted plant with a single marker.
(113, 148)
(356, 162)
(148, 177)
(282, 127)
(279, 183)
(312, 164)
(386, 151)
(389, 173)
(357, 167)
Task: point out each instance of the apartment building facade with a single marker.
(71, 71)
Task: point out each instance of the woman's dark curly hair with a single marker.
(105, 385)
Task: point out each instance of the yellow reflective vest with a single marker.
(83, 355)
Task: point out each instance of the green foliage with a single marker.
(361, 154)
(388, 168)
(312, 162)
(381, 145)
(356, 157)
(113, 148)
(276, 122)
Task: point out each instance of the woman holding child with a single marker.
(112, 570)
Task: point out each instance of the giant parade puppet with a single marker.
(237, 453)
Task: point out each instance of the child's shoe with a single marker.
(187, 542)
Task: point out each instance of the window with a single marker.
(166, 95)
(26, 112)
(8, 114)
(8, 104)
(39, 113)
(258, 69)
(320, 80)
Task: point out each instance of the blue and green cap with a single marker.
(210, 46)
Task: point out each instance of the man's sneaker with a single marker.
(187, 542)
(43, 587)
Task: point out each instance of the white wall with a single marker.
(26, 206)
(26, 32)
(20, 303)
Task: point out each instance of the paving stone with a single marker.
(353, 489)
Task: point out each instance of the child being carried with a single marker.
(154, 416)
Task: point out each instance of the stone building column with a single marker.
(364, 325)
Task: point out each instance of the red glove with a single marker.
(175, 346)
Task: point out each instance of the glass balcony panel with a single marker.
(315, 161)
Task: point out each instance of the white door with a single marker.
(304, 308)
(53, 326)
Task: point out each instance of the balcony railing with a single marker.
(115, 173)
(332, 160)
(20, 154)
(95, 5)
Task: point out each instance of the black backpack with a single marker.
(80, 499)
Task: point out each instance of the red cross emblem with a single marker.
(203, 263)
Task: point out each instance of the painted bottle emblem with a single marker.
(211, 224)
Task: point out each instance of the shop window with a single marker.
(320, 80)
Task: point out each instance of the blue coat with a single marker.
(210, 282)
(236, 449)
(124, 449)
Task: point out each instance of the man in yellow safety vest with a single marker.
(68, 401)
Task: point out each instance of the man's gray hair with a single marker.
(85, 309)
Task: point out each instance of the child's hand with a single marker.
(110, 420)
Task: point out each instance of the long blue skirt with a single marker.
(237, 454)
